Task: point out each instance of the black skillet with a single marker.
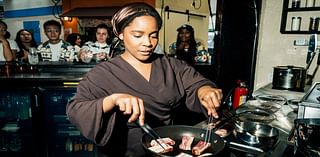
(175, 132)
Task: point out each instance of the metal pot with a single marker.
(289, 77)
(256, 134)
(176, 132)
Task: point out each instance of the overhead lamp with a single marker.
(66, 18)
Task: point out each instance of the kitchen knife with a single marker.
(311, 50)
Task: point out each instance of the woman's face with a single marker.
(184, 35)
(25, 37)
(102, 35)
(140, 37)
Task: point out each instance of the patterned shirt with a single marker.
(66, 52)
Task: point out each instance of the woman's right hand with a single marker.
(127, 104)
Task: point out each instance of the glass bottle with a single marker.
(295, 23)
(33, 57)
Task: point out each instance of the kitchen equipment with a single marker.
(307, 135)
(289, 77)
(176, 132)
(310, 55)
(256, 134)
(148, 130)
(269, 102)
(254, 114)
(309, 107)
(311, 50)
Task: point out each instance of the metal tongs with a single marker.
(207, 137)
(148, 130)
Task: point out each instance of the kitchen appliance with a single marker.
(309, 107)
(289, 77)
(18, 123)
(61, 137)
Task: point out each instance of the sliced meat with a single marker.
(222, 132)
(165, 140)
(186, 142)
(158, 149)
(200, 147)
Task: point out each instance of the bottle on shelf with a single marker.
(69, 145)
(310, 3)
(295, 23)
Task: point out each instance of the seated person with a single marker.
(99, 50)
(55, 49)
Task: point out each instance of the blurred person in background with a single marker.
(75, 40)
(8, 47)
(55, 49)
(25, 41)
(186, 47)
(98, 50)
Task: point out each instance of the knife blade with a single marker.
(311, 50)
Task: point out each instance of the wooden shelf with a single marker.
(284, 18)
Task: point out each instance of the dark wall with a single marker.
(237, 23)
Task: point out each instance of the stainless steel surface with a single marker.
(309, 107)
(286, 114)
(257, 134)
(289, 77)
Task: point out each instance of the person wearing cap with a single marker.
(186, 47)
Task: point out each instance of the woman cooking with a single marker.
(137, 85)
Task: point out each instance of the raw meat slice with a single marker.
(200, 147)
(186, 142)
(222, 132)
(158, 149)
(165, 140)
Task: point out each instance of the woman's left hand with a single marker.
(210, 98)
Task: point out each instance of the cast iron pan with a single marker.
(175, 132)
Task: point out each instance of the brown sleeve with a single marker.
(85, 111)
(192, 80)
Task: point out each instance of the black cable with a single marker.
(55, 9)
(164, 27)
(211, 14)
